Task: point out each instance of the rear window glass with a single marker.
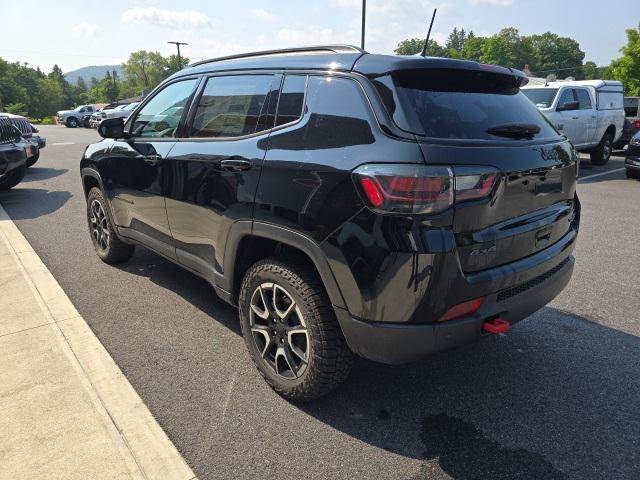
(462, 104)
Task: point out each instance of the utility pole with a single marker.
(364, 16)
(177, 44)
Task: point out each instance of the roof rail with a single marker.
(316, 48)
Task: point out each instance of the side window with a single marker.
(231, 106)
(583, 98)
(160, 117)
(566, 97)
(291, 99)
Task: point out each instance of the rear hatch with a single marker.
(478, 121)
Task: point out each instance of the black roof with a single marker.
(337, 58)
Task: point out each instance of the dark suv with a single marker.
(386, 206)
(14, 152)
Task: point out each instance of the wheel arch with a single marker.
(245, 246)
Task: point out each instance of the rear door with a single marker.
(586, 114)
(480, 122)
(133, 172)
(212, 174)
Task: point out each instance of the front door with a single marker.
(568, 120)
(211, 176)
(132, 174)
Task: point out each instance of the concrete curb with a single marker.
(149, 452)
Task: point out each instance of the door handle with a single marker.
(152, 159)
(235, 165)
(575, 118)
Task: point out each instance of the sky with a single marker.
(76, 33)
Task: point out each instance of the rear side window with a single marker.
(461, 104)
(583, 98)
(230, 106)
(291, 99)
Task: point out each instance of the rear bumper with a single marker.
(395, 343)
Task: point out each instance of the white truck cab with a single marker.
(589, 112)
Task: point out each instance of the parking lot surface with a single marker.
(555, 398)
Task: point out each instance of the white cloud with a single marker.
(183, 19)
(262, 14)
(346, 3)
(499, 3)
(84, 30)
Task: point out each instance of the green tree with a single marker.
(627, 67)
(413, 46)
(590, 71)
(51, 98)
(507, 48)
(551, 53)
(457, 39)
(472, 49)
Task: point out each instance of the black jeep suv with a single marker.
(347, 203)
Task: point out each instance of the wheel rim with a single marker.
(279, 331)
(99, 225)
(606, 150)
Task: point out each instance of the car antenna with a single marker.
(426, 42)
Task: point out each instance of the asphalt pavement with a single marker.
(558, 397)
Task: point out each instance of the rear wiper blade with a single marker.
(514, 130)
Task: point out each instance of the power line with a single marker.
(563, 69)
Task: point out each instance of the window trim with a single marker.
(304, 100)
(586, 91)
(276, 83)
(129, 123)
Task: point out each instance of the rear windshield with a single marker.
(458, 104)
(541, 97)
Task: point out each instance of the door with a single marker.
(133, 172)
(586, 114)
(567, 117)
(211, 176)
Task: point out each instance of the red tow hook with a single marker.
(496, 326)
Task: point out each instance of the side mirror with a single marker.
(568, 106)
(111, 128)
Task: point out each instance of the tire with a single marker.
(32, 161)
(108, 246)
(601, 154)
(13, 178)
(276, 346)
(72, 122)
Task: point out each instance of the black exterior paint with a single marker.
(389, 277)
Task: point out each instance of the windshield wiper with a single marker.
(514, 130)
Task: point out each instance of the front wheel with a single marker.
(72, 122)
(601, 154)
(291, 331)
(13, 178)
(108, 246)
(32, 161)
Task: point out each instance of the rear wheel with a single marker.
(600, 155)
(291, 331)
(108, 246)
(13, 178)
(72, 122)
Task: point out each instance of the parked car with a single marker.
(631, 121)
(347, 203)
(29, 134)
(590, 113)
(14, 152)
(632, 162)
(71, 118)
(122, 111)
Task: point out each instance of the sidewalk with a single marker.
(66, 410)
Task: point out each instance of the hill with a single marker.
(98, 71)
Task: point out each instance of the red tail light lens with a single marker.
(474, 182)
(636, 124)
(465, 309)
(409, 189)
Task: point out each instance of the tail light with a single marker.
(421, 189)
(636, 124)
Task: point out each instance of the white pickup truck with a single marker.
(589, 112)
